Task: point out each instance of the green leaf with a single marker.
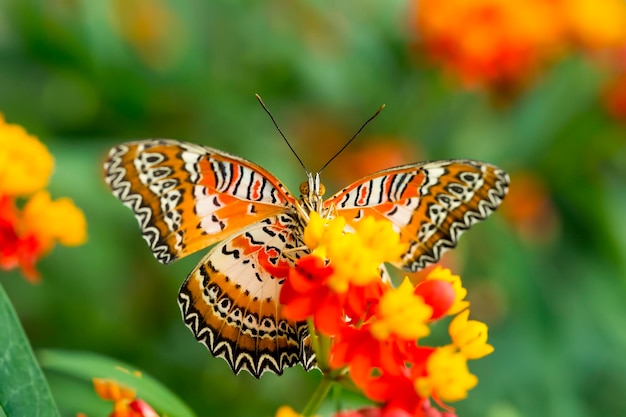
(86, 366)
(23, 388)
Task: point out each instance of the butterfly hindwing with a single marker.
(187, 197)
(230, 301)
(430, 203)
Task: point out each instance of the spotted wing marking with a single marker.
(430, 204)
(457, 196)
(119, 168)
(230, 301)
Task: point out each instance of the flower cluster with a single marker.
(29, 232)
(365, 327)
(506, 41)
(124, 402)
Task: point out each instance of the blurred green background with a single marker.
(549, 279)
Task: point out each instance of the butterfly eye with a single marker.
(304, 188)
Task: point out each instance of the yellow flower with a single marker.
(448, 378)
(403, 313)
(286, 411)
(445, 274)
(314, 230)
(53, 221)
(380, 238)
(469, 336)
(25, 163)
(355, 254)
(597, 23)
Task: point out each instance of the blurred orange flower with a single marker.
(529, 208)
(486, 41)
(152, 28)
(615, 97)
(370, 155)
(504, 42)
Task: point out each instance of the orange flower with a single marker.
(53, 221)
(125, 403)
(486, 41)
(529, 208)
(369, 155)
(152, 28)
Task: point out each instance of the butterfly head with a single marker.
(312, 191)
(312, 188)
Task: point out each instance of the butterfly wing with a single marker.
(230, 301)
(431, 204)
(187, 197)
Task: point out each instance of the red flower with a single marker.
(305, 294)
(438, 294)
(16, 250)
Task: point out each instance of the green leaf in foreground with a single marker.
(23, 388)
(86, 366)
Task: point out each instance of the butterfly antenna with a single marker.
(258, 97)
(353, 137)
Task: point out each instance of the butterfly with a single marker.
(187, 197)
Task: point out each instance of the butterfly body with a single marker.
(187, 197)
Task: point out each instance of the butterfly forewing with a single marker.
(230, 301)
(187, 197)
(430, 204)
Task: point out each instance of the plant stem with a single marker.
(318, 397)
